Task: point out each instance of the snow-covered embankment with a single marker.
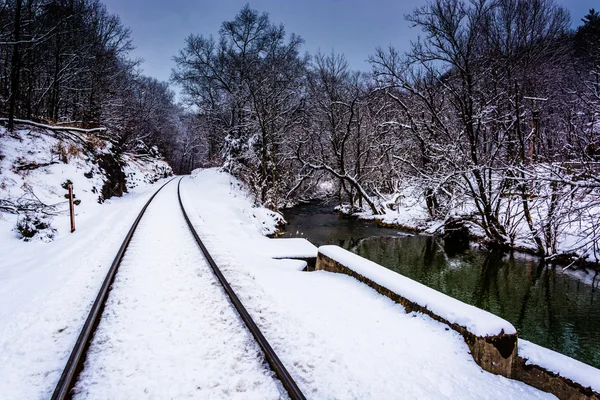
(48, 283)
(336, 336)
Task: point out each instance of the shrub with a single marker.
(65, 184)
(32, 225)
(73, 151)
(60, 151)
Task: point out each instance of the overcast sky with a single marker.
(352, 27)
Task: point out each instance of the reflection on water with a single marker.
(554, 309)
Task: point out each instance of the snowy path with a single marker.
(168, 330)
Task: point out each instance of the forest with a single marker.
(490, 119)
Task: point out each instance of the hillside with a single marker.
(37, 164)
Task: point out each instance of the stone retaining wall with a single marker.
(541, 378)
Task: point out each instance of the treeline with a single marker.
(67, 62)
(490, 117)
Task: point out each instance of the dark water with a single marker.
(555, 309)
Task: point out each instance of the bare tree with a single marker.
(338, 139)
(248, 84)
(461, 94)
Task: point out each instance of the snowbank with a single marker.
(574, 233)
(475, 320)
(250, 221)
(289, 248)
(567, 367)
(36, 165)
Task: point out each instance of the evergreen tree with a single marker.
(587, 37)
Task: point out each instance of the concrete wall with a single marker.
(545, 380)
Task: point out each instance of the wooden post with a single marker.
(71, 208)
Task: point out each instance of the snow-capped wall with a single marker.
(475, 320)
(492, 341)
(558, 364)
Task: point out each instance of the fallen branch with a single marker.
(54, 127)
(29, 203)
(32, 166)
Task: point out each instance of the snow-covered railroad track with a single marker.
(166, 329)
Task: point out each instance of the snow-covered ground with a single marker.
(47, 286)
(168, 330)
(46, 290)
(338, 338)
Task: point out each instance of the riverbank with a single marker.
(414, 219)
(550, 306)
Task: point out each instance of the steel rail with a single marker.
(282, 373)
(75, 363)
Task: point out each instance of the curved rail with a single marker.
(282, 373)
(75, 363)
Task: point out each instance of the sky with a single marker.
(352, 27)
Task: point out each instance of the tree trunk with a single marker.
(15, 67)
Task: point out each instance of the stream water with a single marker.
(556, 309)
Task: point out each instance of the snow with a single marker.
(567, 367)
(292, 265)
(168, 330)
(337, 337)
(46, 289)
(45, 182)
(476, 320)
(24, 147)
(405, 209)
(288, 248)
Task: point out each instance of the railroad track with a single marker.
(75, 363)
